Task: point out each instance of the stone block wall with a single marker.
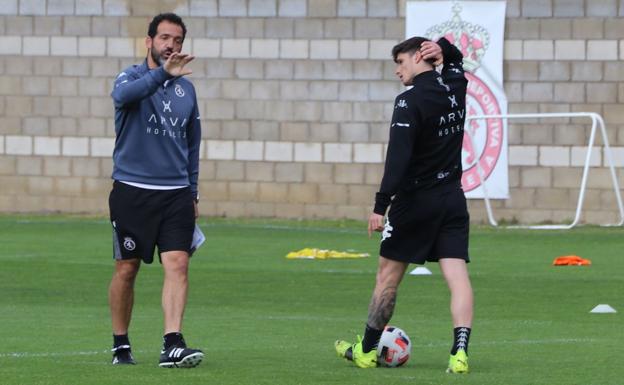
(295, 97)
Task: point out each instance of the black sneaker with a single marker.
(122, 355)
(180, 357)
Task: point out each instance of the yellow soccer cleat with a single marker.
(343, 349)
(354, 352)
(458, 362)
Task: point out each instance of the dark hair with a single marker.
(410, 46)
(170, 17)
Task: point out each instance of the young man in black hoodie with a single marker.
(428, 219)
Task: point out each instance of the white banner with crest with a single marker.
(477, 29)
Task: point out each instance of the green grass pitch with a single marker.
(263, 319)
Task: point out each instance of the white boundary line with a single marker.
(520, 342)
(213, 224)
(427, 345)
(51, 354)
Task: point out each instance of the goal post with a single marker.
(597, 122)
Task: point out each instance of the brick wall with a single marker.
(295, 97)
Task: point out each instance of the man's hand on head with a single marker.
(431, 50)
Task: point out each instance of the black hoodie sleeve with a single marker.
(453, 60)
(403, 131)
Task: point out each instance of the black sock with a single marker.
(121, 341)
(461, 336)
(173, 339)
(371, 339)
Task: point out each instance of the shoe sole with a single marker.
(190, 361)
(449, 370)
(127, 359)
(119, 362)
(366, 365)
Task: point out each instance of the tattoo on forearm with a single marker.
(381, 308)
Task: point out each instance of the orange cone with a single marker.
(571, 260)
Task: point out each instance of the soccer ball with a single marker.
(394, 347)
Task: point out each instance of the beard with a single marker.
(157, 56)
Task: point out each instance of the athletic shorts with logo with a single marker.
(426, 226)
(143, 219)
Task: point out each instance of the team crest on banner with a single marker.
(480, 39)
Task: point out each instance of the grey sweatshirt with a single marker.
(157, 127)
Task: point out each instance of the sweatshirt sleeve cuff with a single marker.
(160, 75)
(382, 201)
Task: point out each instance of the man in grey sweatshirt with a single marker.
(154, 197)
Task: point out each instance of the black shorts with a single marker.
(143, 219)
(426, 226)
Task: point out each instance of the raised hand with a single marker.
(176, 64)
